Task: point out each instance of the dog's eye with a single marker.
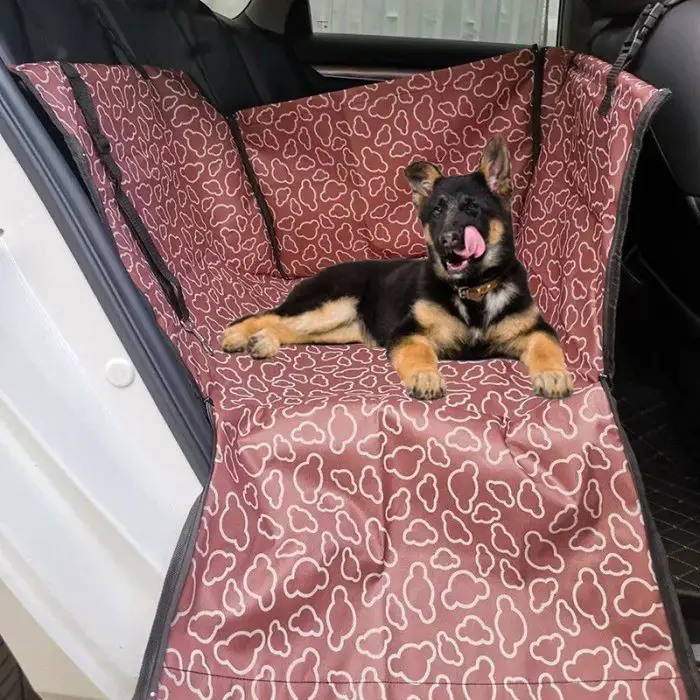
(470, 207)
(439, 207)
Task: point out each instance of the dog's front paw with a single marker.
(263, 345)
(233, 339)
(553, 385)
(425, 386)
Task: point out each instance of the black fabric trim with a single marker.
(539, 56)
(257, 192)
(669, 597)
(536, 108)
(175, 577)
(614, 271)
(80, 158)
(168, 282)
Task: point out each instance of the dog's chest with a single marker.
(478, 316)
(474, 331)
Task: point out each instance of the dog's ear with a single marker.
(495, 166)
(422, 177)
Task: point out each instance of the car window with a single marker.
(503, 21)
(227, 8)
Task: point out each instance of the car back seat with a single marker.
(35, 30)
(348, 398)
(234, 63)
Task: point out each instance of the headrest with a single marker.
(615, 8)
(191, 5)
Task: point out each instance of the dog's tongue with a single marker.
(474, 245)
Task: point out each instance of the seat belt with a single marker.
(251, 64)
(167, 281)
(647, 21)
(120, 44)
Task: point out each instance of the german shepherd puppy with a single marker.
(467, 300)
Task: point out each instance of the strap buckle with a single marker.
(647, 21)
(470, 293)
(102, 144)
(478, 293)
(650, 17)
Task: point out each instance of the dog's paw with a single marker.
(233, 339)
(553, 385)
(425, 386)
(263, 345)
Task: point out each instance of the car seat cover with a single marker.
(354, 543)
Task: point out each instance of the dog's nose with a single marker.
(450, 239)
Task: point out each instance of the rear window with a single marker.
(507, 21)
(227, 8)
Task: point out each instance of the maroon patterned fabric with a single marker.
(183, 171)
(331, 165)
(570, 216)
(356, 544)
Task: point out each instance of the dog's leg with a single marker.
(261, 335)
(541, 353)
(416, 361)
(527, 337)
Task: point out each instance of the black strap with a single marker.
(119, 43)
(263, 93)
(538, 60)
(536, 107)
(168, 282)
(647, 21)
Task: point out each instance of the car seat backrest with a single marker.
(331, 166)
(173, 35)
(235, 64)
(670, 58)
(36, 30)
(614, 8)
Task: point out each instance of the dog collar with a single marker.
(478, 293)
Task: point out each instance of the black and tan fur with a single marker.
(414, 308)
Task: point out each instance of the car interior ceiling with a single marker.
(237, 64)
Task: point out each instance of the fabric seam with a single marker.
(524, 683)
(265, 210)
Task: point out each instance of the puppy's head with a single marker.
(466, 218)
